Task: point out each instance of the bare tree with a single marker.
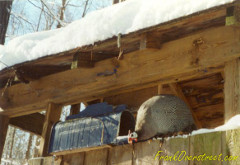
(5, 8)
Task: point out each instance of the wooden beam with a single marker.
(31, 123)
(133, 99)
(53, 114)
(174, 62)
(75, 109)
(149, 41)
(233, 15)
(178, 92)
(3, 132)
(232, 89)
(77, 150)
(78, 62)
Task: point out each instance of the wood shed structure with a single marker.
(196, 57)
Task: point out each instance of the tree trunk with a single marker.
(28, 153)
(62, 10)
(5, 9)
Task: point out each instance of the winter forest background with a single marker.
(29, 16)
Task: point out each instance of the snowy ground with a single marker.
(100, 25)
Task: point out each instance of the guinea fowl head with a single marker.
(132, 137)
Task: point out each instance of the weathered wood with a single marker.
(177, 148)
(78, 62)
(232, 89)
(165, 32)
(149, 41)
(133, 99)
(160, 89)
(206, 91)
(122, 155)
(31, 123)
(178, 92)
(208, 144)
(211, 116)
(99, 157)
(161, 66)
(3, 132)
(145, 152)
(53, 113)
(81, 150)
(233, 15)
(75, 109)
(231, 146)
(45, 161)
(74, 159)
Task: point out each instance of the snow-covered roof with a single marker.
(100, 25)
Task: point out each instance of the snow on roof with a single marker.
(126, 17)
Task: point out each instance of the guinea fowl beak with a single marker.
(132, 137)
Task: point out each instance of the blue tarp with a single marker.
(89, 128)
(97, 110)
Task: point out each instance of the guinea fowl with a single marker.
(160, 115)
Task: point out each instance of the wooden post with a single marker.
(232, 89)
(160, 89)
(3, 132)
(53, 114)
(75, 109)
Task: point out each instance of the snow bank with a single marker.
(122, 18)
(233, 123)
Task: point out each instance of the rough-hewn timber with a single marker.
(171, 63)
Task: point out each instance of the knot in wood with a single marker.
(198, 42)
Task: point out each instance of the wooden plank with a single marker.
(99, 157)
(122, 155)
(174, 149)
(132, 99)
(144, 153)
(45, 161)
(53, 113)
(81, 150)
(3, 132)
(211, 116)
(74, 159)
(178, 92)
(208, 144)
(232, 89)
(231, 147)
(31, 123)
(161, 66)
